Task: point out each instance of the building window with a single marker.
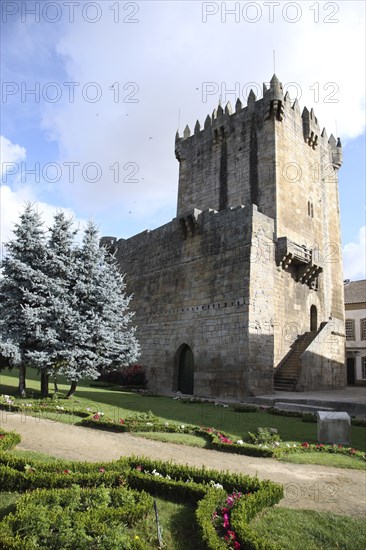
(350, 329)
(363, 367)
(363, 329)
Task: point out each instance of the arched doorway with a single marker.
(185, 370)
(313, 319)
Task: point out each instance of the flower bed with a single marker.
(7, 403)
(81, 513)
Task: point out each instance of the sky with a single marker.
(94, 92)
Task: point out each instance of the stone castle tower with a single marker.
(243, 291)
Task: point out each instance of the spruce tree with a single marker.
(62, 306)
(57, 310)
(22, 286)
(99, 334)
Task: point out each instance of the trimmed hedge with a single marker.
(8, 440)
(200, 486)
(75, 518)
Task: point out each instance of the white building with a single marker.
(355, 305)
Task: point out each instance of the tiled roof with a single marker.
(355, 292)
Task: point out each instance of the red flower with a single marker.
(67, 472)
(305, 445)
(237, 545)
(2, 436)
(340, 446)
(96, 416)
(121, 421)
(102, 470)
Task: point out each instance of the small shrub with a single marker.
(264, 436)
(133, 376)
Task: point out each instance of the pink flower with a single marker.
(102, 470)
(121, 421)
(305, 445)
(139, 468)
(96, 416)
(236, 545)
(66, 472)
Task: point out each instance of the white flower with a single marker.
(288, 445)
(168, 477)
(240, 442)
(277, 444)
(216, 485)
(155, 473)
(166, 424)
(182, 427)
(294, 445)
(60, 408)
(88, 409)
(101, 414)
(149, 424)
(225, 406)
(28, 404)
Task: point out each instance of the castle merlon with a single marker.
(273, 105)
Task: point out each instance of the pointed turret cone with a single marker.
(251, 97)
(238, 105)
(186, 132)
(332, 140)
(197, 127)
(207, 122)
(296, 106)
(228, 109)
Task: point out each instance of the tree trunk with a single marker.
(55, 386)
(44, 383)
(22, 384)
(72, 389)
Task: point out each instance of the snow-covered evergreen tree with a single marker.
(22, 285)
(57, 312)
(102, 338)
(62, 306)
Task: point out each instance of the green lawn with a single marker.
(310, 530)
(118, 404)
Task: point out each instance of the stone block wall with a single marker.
(194, 290)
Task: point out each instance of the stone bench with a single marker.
(334, 427)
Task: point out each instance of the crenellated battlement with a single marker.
(274, 105)
(223, 160)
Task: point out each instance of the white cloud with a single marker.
(354, 257)
(12, 201)
(10, 153)
(169, 54)
(12, 204)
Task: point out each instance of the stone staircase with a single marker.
(287, 373)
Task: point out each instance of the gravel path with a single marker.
(306, 486)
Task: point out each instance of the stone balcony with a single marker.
(299, 261)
